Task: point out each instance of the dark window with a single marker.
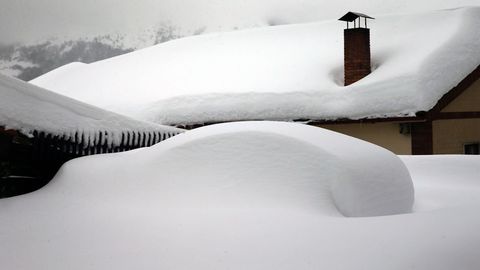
(471, 148)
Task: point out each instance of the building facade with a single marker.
(451, 127)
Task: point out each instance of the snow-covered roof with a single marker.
(28, 108)
(283, 72)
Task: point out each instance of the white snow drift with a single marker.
(285, 72)
(26, 108)
(248, 196)
(444, 181)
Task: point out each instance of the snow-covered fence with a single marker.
(51, 151)
(82, 144)
(27, 162)
(41, 130)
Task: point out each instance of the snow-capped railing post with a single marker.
(357, 61)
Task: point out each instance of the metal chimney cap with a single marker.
(351, 16)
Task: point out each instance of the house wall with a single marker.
(445, 136)
(385, 134)
(468, 101)
(449, 136)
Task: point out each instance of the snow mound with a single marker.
(27, 108)
(264, 165)
(283, 72)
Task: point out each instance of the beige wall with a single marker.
(468, 101)
(386, 135)
(449, 136)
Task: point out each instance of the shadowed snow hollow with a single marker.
(261, 165)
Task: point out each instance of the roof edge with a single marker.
(456, 91)
(420, 116)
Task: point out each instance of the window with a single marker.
(471, 148)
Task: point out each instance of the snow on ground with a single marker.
(444, 181)
(246, 196)
(283, 73)
(27, 108)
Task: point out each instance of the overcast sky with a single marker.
(29, 20)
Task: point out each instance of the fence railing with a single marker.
(29, 162)
(79, 144)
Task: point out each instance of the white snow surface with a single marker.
(444, 181)
(245, 196)
(26, 108)
(283, 72)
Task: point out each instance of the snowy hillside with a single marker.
(27, 108)
(283, 72)
(27, 61)
(249, 196)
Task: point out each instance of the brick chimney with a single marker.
(356, 47)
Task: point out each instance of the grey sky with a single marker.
(28, 20)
